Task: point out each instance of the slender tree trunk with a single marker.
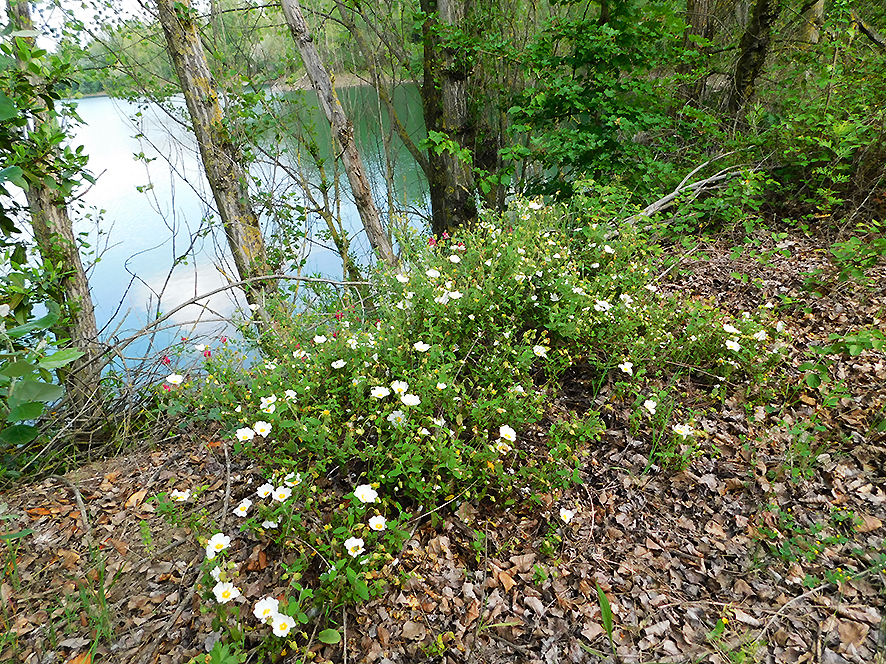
(221, 156)
(444, 93)
(753, 49)
(54, 235)
(342, 129)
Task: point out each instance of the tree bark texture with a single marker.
(54, 236)
(812, 16)
(343, 131)
(753, 49)
(221, 156)
(444, 93)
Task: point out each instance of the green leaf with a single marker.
(605, 612)
(17, 369)
(61, 358)
(36, 390)
(44, 323)
(19, 434)
(14, 536)
(329, 636)
(26, 411)
(813, 380)
(8, 109)
(13, 174)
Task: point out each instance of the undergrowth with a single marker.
(372, 415)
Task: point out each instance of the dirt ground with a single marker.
(719, 562)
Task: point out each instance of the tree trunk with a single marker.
(222, 158)
(342, 129)
(753, 48)
(444, 96)
(54, 235)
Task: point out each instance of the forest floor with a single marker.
(767, 546)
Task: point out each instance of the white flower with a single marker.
(354, 545)
(409, 295)
(410, 400)
(267, 524)
(282, 624)
(442, 299)
(269, 409)
(761, 335)
(225, 592)
(566, 514)
(265, 608)
(245, 434)
(377, 522)
(320, 339)
(299, 354)
(502, 447)
(400, 387)
(540, 351)
(291, 394)
(4, 310)
(441, 386)
(379, 392)
(282, 493)
(602, 305)
(262, 428)
(180, 496)
(265, 490)
(402, 278)
(730, 329)
(507, 433)
(534, 205)
(365, 494)
(200, 347)
(517, 389)
(243, 508)
(424, 432)
(732, 344)
(432, 273)
(608, 249)
(292, 479)
(396, 418)
(455, 295)
(555, 297)
(270, 366)
(779, 326)
(338, 364)
(650, 405)
(439, 421)
(352, 343)
(454, 259)
(627, 367)
(216, 573)
(421, 346)
(627, 299)
(682, 430)
(218, 542)
(174, 379)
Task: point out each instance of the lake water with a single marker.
(156, 243)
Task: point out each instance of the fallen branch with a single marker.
(696, 187)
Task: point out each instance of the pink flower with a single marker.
(166, 387)
(207, 353)
(166, 360)
(432, 241)
(445, 235)
(224, 340)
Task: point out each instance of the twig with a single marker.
(676, 263)
(784, 606)
(227, 485)
(520, 649)
(149, 655)
(80, 504)
(344, 627)
(172, 457)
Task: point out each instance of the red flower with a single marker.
(432, 241)
(166, 387)
(224, 340)
(166, 360)
(445, 235)
(339, 315)
(207, 353)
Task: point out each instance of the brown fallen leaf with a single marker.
(136, 498)
(472, 612)
(852, 633)
(868, 523)
(413, 631)
(506, 581)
